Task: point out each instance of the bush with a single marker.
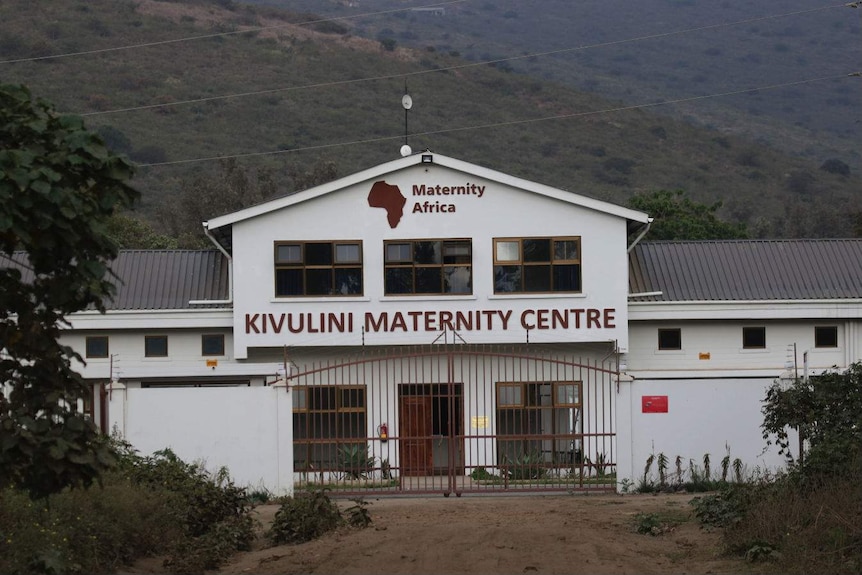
(304, 517)
(725, 508)
(208, 498)
(658, 523)
(835, 166)
(808, 520)
(525, 466)
(85, 531)
(146, 506)
(826, 410)
(354, 461)
(805, 524)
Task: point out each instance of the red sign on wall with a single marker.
(654, 404)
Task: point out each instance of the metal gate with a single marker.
(455, 419)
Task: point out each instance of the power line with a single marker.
(509, 123)
(221, 34)
(459, 66)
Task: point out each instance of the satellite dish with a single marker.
(406, 150)
(407, 101)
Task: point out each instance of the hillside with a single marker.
(317, 99)
(659, 51)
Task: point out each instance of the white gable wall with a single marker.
(501, 211)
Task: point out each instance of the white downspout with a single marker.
(640, 235)
(228, 301)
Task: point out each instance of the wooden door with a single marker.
(416, 431)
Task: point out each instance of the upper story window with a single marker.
(97, 346)
(670, 338)
(428, 267)
(212, 344)
(318, 268)
(826, 336)
(537, 265)
(155, 346)
(754, 338)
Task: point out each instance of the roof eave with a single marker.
(381, 170)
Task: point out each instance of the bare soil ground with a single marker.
(572, 534)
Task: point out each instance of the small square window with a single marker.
(156, 346)
(347, 253)
(398, 253)
(509, 394)
(670, 339)
(568, 394)
(754, 338)
(212, 344)
(826, 336)
(97, 346)
(508, 251)
(288, 253)
(566, 250)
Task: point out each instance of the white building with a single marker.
(430, 325)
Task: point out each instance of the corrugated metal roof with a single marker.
(169, 279)
(747, 270)
(160, 279)
(741, 270)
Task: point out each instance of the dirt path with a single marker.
(504, 534)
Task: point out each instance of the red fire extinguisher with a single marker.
(383, 432)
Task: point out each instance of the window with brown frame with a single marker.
(318, 268)
(754, 338)
(155, 346)
(670, 339)
(97, 346)
(826, 336)
(329, 427)
(539, 421)
(537, 265)
(443, 267)
(212, 344)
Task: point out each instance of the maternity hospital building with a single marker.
(433, 326)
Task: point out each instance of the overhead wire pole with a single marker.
(406, 103)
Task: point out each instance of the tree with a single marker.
(320, 172)
(826, 410)
(676, 217)
(59, 184)
(232, 188)
(129, 232)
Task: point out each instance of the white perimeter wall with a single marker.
(246, 429)
(704, 416)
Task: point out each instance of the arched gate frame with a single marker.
(449, 418)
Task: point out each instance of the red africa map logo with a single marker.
(390, 198)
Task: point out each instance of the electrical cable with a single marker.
(508, 123)
(457, 67)
(220, 34)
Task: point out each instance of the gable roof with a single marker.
(733, 270)
(219, 227)
(746, 270)
(158, 279)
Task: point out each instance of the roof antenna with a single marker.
(406, 103)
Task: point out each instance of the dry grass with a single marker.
(812, 526)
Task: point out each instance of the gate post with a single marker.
(284, 437)
(116, 407)
(625, 430)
